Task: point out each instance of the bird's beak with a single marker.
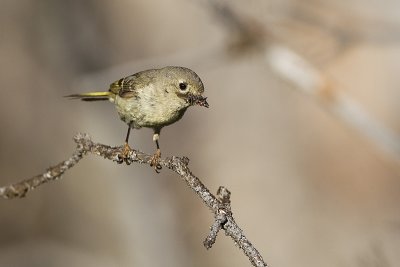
(198, 100)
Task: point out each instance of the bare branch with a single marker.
(20, 189)
(220, 205)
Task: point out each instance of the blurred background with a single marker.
(303, 128)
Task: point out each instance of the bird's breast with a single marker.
(148, 111)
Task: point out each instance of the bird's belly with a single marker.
(146, 114)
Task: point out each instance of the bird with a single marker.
(152, 98)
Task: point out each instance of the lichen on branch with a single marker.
(219, 205)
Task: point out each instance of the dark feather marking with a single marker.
(95, 99)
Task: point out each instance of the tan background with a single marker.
(308, 188)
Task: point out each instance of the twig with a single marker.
(220, 205)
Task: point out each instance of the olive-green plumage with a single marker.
(152, 98)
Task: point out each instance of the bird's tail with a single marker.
(92, 96)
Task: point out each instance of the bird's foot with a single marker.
(125, 155)
(155, 161)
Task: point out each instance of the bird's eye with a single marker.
(182, 86)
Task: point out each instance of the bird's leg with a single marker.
(127, 149)
(155, 159)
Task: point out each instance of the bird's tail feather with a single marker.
(92, 96)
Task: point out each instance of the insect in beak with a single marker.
(197, 100)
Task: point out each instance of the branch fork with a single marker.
(220, 205)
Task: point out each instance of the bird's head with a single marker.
(186, 85)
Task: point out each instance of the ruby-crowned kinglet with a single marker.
(152, 98)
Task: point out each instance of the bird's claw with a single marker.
(155, 161)
(125, 155)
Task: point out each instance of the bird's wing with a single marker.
(129, 86)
